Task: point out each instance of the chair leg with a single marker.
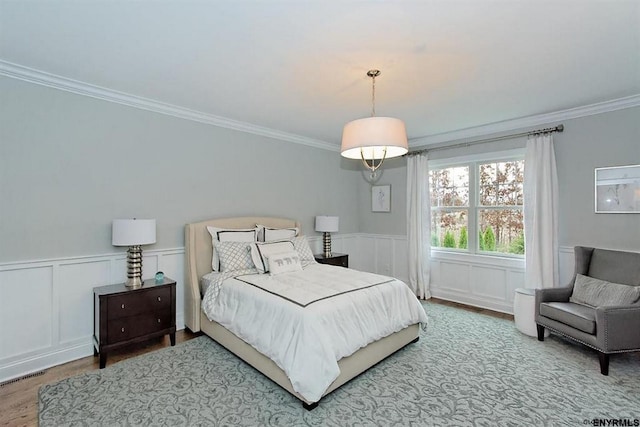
(604, 363)
(540, 332)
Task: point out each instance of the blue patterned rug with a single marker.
(467, 369)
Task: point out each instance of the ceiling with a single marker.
(299, 67)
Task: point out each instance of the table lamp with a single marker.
(133, 233)
(327, 225)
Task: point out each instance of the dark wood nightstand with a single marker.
(123, 316)
(341, 260)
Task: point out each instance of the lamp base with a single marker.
(134, 283)
(134, 267)
(326, 240)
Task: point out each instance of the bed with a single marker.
(199, 251)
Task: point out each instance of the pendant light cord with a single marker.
(373, 74)
(373, 96)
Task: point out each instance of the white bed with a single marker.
(199, 253)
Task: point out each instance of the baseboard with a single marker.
(500, 307)
(44, 360)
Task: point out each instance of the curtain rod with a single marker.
(558, 128)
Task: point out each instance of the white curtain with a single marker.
(418, 224)
(540, 213)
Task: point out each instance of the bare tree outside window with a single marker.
(450, 205)
(496, 194)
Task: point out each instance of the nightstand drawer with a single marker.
(136, 326)
(134, 303)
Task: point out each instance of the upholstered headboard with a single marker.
(198, 252)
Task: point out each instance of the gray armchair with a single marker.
(607, 329)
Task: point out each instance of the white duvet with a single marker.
(306, 321)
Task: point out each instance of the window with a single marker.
(477, 207)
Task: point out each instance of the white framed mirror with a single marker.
(617, 189)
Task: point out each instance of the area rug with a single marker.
(467, 369)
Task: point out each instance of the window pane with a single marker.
(501, 183)
(449, 228)
(501, 230)
(449, 186)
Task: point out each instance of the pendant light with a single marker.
(374, 138)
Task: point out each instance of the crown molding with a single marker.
(525, 122)
(42, 78)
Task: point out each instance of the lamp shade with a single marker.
(132, 232)
(373, 134)
(327, 223)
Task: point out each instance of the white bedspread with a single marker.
(306, 321)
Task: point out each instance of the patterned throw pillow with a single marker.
(229, 235)
(233, 255)
(302, 246)
(285, 262)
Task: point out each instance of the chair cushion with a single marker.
(578, 316)
(600, 293)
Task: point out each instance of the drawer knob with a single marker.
(122, 306)
(158, 320)
(159, 299)
(122, 330)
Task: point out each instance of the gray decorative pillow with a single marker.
(600, 293)
(233, 255)
(302, 246)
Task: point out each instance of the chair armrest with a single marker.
(551, 295)
(618, 328)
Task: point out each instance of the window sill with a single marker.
(480, 259)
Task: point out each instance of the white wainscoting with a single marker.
(46, 306)
(478, 280)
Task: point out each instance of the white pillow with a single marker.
(285, 262)
(234, 256)
(228, 235)
(267, 234)
(260, 252)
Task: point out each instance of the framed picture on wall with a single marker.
(381, 198)
(618, 189)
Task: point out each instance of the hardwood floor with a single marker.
(19, 399)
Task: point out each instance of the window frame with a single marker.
(474, 208)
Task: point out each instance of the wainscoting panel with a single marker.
(365, 256)
(490, 283)
(401, 259)
(75, 298)
(455, 275)
(26, 312)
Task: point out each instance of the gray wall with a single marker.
(70, 164)
(394, 172)
(608, 139)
